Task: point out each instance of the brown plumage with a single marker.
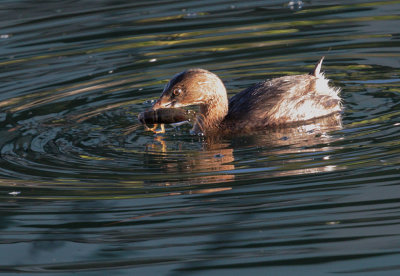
(275, 102)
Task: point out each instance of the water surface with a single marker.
(85, 189)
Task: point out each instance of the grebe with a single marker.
(271, 103)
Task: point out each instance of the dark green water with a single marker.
(85, 189)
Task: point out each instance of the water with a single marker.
(85, 189)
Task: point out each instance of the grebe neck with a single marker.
(212, 113)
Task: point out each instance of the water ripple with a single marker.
(84, 188)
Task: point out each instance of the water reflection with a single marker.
(216, 163)
(84, 189)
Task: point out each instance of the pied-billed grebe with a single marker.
(275, 102)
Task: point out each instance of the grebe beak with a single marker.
(162, 103)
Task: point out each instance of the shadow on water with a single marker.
(85, 189)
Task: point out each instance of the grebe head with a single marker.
(192, 87)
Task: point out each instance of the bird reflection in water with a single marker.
(214, 162)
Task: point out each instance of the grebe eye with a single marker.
(177, 92)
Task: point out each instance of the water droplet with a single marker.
(333, 222)
(295, 5)
(191, 14)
